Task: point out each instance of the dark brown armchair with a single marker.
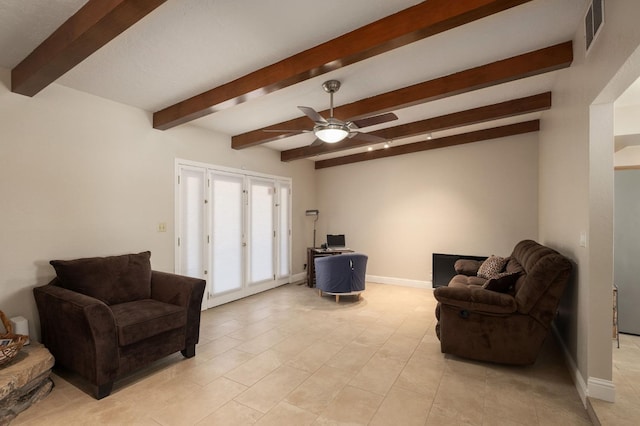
(507, 325)
(104, 317)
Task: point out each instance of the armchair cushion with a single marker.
(113, 279)
(141, 319)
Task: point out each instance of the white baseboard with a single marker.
(579, 383)
(398, 281)
(601, 389)
(302, 276)
(594, 388)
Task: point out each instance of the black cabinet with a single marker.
(443, 270)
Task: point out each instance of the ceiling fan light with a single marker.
(331, 133)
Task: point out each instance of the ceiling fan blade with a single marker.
(366, 137)
(317, 142)
(376, 119)
(295, 132)
(312, 114)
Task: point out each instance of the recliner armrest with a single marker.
(476, 299)
(468, 267)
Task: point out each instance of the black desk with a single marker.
(312, 253)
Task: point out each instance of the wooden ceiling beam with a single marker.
(464, 138)
(91, 27)
(415, 23)
(526, 65)
(482, 114)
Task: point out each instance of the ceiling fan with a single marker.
(332, 130)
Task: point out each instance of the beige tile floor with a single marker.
(290, 357)
(626, 378)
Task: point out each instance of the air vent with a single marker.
(593, 22)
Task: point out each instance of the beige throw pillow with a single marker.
(492, 266)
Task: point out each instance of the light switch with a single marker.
(162, 227)
(583, 239)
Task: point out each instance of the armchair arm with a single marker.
(80, 332)
(476, 299)
(181, 291)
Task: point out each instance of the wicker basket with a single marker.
(9, 351)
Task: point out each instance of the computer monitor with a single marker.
(336, 241)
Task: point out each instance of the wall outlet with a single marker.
(162, 227)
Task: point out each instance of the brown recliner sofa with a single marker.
(103, 317)
(507, 326)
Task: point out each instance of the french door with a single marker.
(233, 229)
(226, 236)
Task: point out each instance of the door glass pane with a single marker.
(226, 233)
(283, 229)
(191, 232)
(261, 231)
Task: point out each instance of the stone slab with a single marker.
(25, 380)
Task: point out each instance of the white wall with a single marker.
(576, 186)
(627, 249)
(626, 120)
(478, 199)
(628, 156)
(83, 176)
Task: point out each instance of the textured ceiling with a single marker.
(189, 46)
(25, 24)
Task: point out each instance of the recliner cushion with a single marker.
(112, 279)
(466, 281)
(502, 282)
(136, 321)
